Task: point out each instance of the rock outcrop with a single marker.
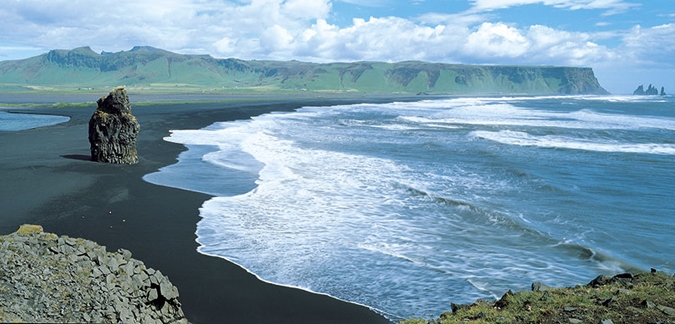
(651, 91)
(113, 130)
(47, 278)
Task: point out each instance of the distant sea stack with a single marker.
(651, 91)
(113, 130)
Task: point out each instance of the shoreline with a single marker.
(49, 181)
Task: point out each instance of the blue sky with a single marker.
(626, 42)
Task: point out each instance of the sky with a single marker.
(626, 42)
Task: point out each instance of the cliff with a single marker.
(151, 69)
(47, 278)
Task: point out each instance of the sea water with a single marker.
(408, 206)
(17, 122)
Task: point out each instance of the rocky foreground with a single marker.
(47, 278)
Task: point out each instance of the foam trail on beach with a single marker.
(407, 207)
(525, 139)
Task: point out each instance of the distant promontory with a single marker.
(152, 70)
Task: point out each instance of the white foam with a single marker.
(503, 114)
(314, 209)
(619, 98)
(396, 127)
(233, 160)
(330, 215)
(525, 139)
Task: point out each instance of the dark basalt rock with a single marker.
(113, 130)
(651, 91)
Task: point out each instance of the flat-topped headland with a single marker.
(153, 70)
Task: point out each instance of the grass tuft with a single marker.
(29, 230)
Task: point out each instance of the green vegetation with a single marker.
(646, 297)
(72, 105)
(151, 70)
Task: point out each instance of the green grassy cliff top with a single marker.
(645, 297)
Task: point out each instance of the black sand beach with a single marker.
(47, 179)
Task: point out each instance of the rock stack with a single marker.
(46, 278)
(113, 130)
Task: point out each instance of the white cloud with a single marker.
(300, 29)
(306, 9)
(575, 48)
(368, 3)
(501, 43)
(170, 24)
(481, 5)
(276, 38)
(653, 46)
(463, 19)
(385, 39)
(612, 6)
(276, 29)
(645, 56)
(496, 40)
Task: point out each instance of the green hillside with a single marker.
(147, 69)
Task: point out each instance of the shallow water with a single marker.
(407, 207)
(17, 122)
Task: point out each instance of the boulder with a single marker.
(113, 130)
(538, 286)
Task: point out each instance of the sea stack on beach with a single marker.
(113, 129)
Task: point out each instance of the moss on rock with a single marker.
(29, 230)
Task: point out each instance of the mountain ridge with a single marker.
(147, 68)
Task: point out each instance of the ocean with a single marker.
(406, 207)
